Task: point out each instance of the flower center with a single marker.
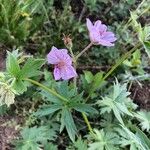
(60, 64)
(101, 33)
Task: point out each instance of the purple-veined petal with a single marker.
(65, 57)
(68, 72)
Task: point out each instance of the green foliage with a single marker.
(144, 118)
(131, 139)
(91, 82)
(16, 20)
(104, 141)
(31, 137)
(117, 101)
(65, 109)
(135, 60)
(18, 73)
(12, 65)
(80, 144)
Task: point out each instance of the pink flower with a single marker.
(62, 64)
(99, 35)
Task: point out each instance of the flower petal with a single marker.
(89, 24)
(57, 73)
(68, 72)
(105, 43)
(65, 57)
(94, 36)
(102, 28)
(97, 24)
(109, 36)
(52, 56)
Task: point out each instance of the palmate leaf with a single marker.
(31, 68)
(104, 141)
(55, 104)
(144, 118)
(31, 137)
(17, 73)
(80, 144)
(117, 102)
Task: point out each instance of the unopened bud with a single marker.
(67, 41)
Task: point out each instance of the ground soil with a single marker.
(141, 94)
(8, 131)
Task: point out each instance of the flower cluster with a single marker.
(62, 61)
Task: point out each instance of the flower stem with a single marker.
(84, 50)
(87, 122)
(46, 88)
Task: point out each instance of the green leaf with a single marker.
(104, 141)
(31, 68)
(98, 78)
(142, 136)
(12, 65)
(147, 47)
(86, 108)
(88, 76)
(19, 86)
(129, 138)
(80, 144)
(144, 118)
(47, 110)
(68, 122)
(50, 146)
(117, 102)
(33, 138)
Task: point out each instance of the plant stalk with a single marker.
(83, 51)
(87, 122)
